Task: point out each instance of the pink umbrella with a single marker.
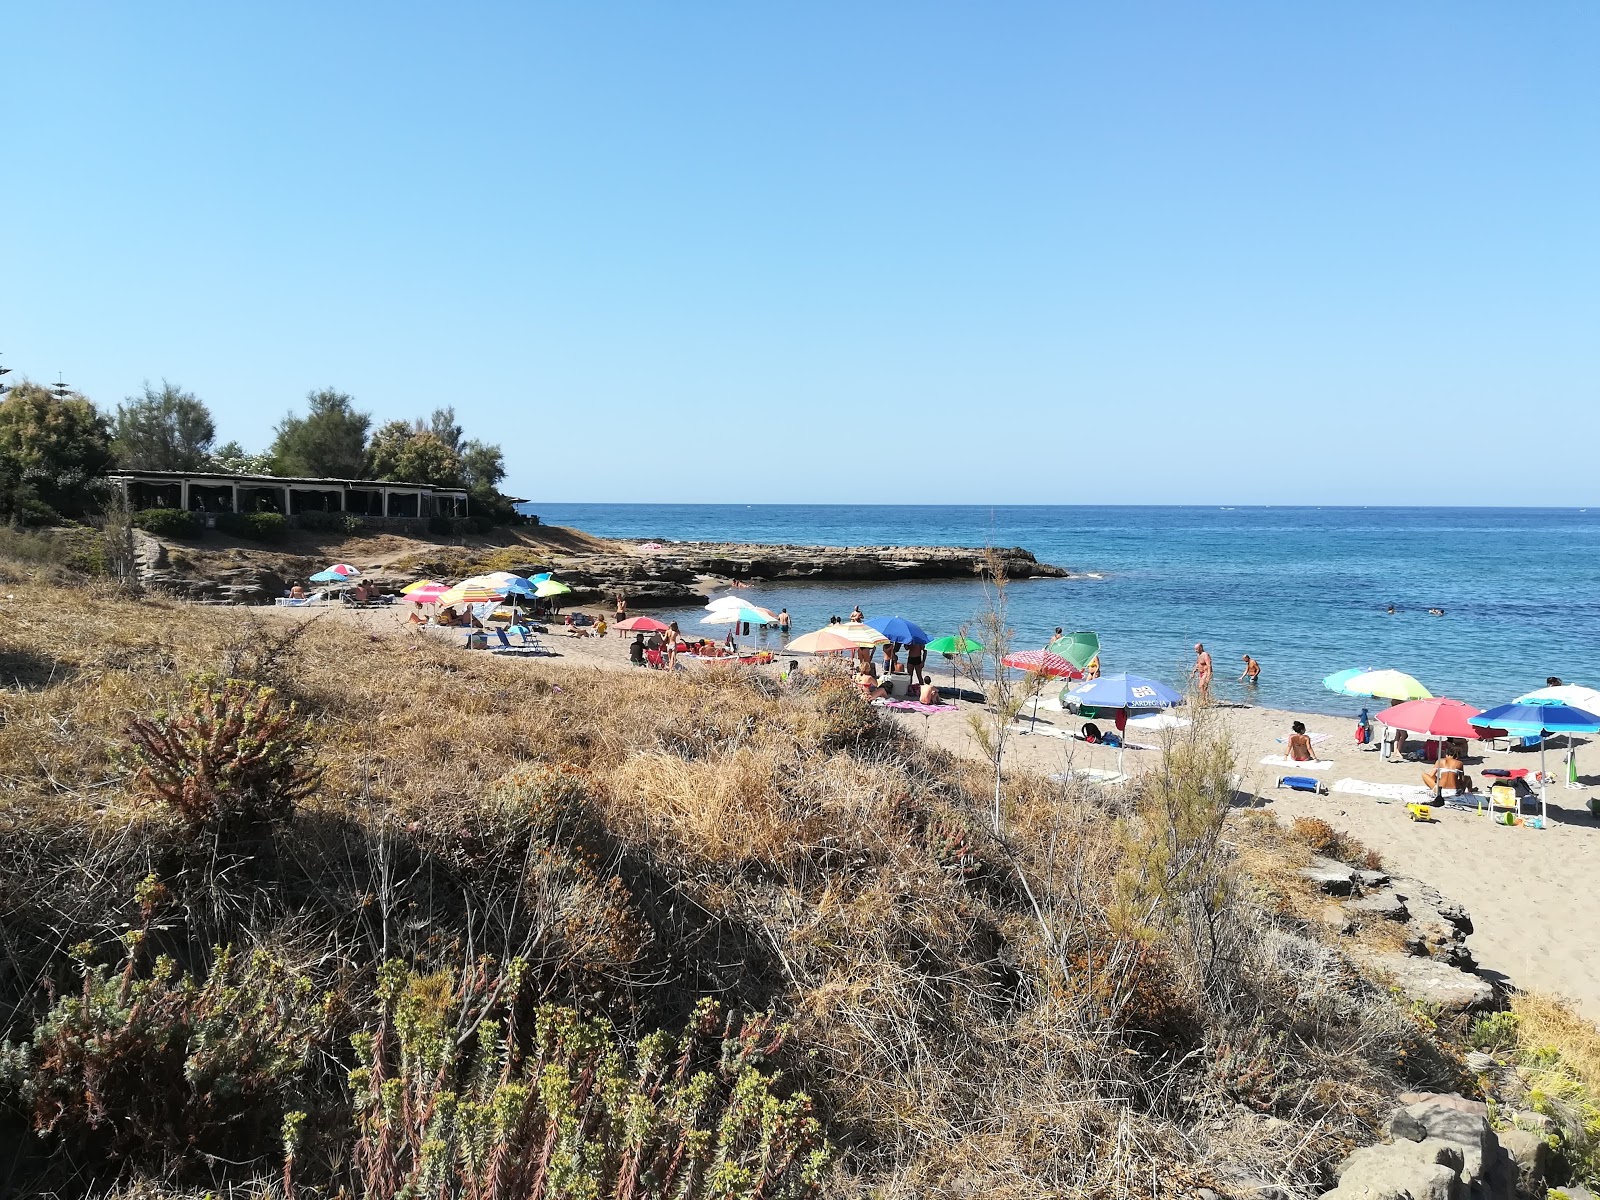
(427, 594)
(642, 625)
(1042, 662)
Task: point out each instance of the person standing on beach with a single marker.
(1251, 673)
(1201, 671)
(622, 608)
(916, 656)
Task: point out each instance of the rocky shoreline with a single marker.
(648, 574)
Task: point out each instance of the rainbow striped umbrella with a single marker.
(422, 583)
(427, 592)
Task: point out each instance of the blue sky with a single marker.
(1223, 252)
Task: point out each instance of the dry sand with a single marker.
(1536, 921)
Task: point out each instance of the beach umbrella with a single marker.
(1540, 721)
(1436, 717)
(1124, 692)
(1042, 662)
(338, 573)
(1586, 698)
(1079, 649)
(471, 592)
(821, 641)
(429, 593)
(859, 633)
(420, 584)
(541, 577)
(951, 645)
(767, 617)
(736, 614)
(1043, 665)
(1336, 681)
(898, 629)
(641, 625)
(1385, 685)
(550, 587)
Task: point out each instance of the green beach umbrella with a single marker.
(952, 645)
(1079, 649)
(550, 587)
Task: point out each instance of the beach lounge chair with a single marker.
(1300, 783)
(655, 660)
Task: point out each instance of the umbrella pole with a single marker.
(1544, 808)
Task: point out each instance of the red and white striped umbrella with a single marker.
(1042, 662)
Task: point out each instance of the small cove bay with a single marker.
(1302, 589)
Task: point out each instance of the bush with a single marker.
(257, 526)
(233, 755)
(441, 526)
(479, 523)
(552, 1106)
(170, 522)
(331, 522)
(166, 1068)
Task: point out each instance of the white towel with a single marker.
(1281, 760)
(1410, 793)
(1092, 774)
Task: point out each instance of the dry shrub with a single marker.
(1334, 843)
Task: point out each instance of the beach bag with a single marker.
(1363, 734)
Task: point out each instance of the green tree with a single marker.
(329, 441)
(383, 452)
(482, 467)
(51, 452)
(234, 459)
(442, 424)
(426, 459)
(165, 430)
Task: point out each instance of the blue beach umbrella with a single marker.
(1540, 721)
(1125, 691)
(898, 629)
(1336, 682)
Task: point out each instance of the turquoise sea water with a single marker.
(1302, 589)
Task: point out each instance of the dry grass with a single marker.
(975, 1013)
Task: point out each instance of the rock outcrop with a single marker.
(218, 585)
(1436, 967)
(1442, 1148)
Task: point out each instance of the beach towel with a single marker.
(915, 706)
(1283, 760)
(1410, 793)
(1092, 774)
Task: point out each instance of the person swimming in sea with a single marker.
(1390, 610)
(1436, 612)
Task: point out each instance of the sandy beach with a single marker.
(1536, 923)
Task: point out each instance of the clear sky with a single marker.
(1055, 253)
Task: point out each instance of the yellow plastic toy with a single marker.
(1421, 812)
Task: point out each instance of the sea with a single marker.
(1303, 590)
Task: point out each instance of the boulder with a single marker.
(1387, 1172)
(1331, 876)
(1530, 1154)
(1381, 904)
(1436, 982)
(1438, 1120)
(1372, 879)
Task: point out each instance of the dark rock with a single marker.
(1372, 879)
